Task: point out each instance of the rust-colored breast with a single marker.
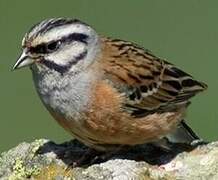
(104, 110)
(110, 124)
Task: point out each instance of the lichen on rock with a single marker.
(43, 159)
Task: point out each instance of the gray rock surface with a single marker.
(43, 159)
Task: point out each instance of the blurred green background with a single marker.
(184, 32)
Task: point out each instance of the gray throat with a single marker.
(68, 95)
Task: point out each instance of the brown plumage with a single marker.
(150, 82)
(107, 92)
(140, 98)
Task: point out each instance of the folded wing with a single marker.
(148, 82)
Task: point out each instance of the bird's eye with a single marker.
(46, 48)
(53, 46)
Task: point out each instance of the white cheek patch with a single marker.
(67, 53)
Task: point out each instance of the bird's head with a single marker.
(61, 44)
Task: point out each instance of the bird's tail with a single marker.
(183, 136)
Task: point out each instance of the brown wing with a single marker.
(148, 82)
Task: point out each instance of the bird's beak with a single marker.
(23, 61)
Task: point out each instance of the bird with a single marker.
(107, 92)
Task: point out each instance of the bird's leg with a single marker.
(104, 156)
(92, 156)
(86, 158)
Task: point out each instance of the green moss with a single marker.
(20, 171)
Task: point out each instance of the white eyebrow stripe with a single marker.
(62, 31)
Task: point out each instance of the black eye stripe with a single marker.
(40, 49)
(78, 37)
(43, 48)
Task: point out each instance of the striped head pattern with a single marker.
(59, 44)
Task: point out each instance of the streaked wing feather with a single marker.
(148, 82)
